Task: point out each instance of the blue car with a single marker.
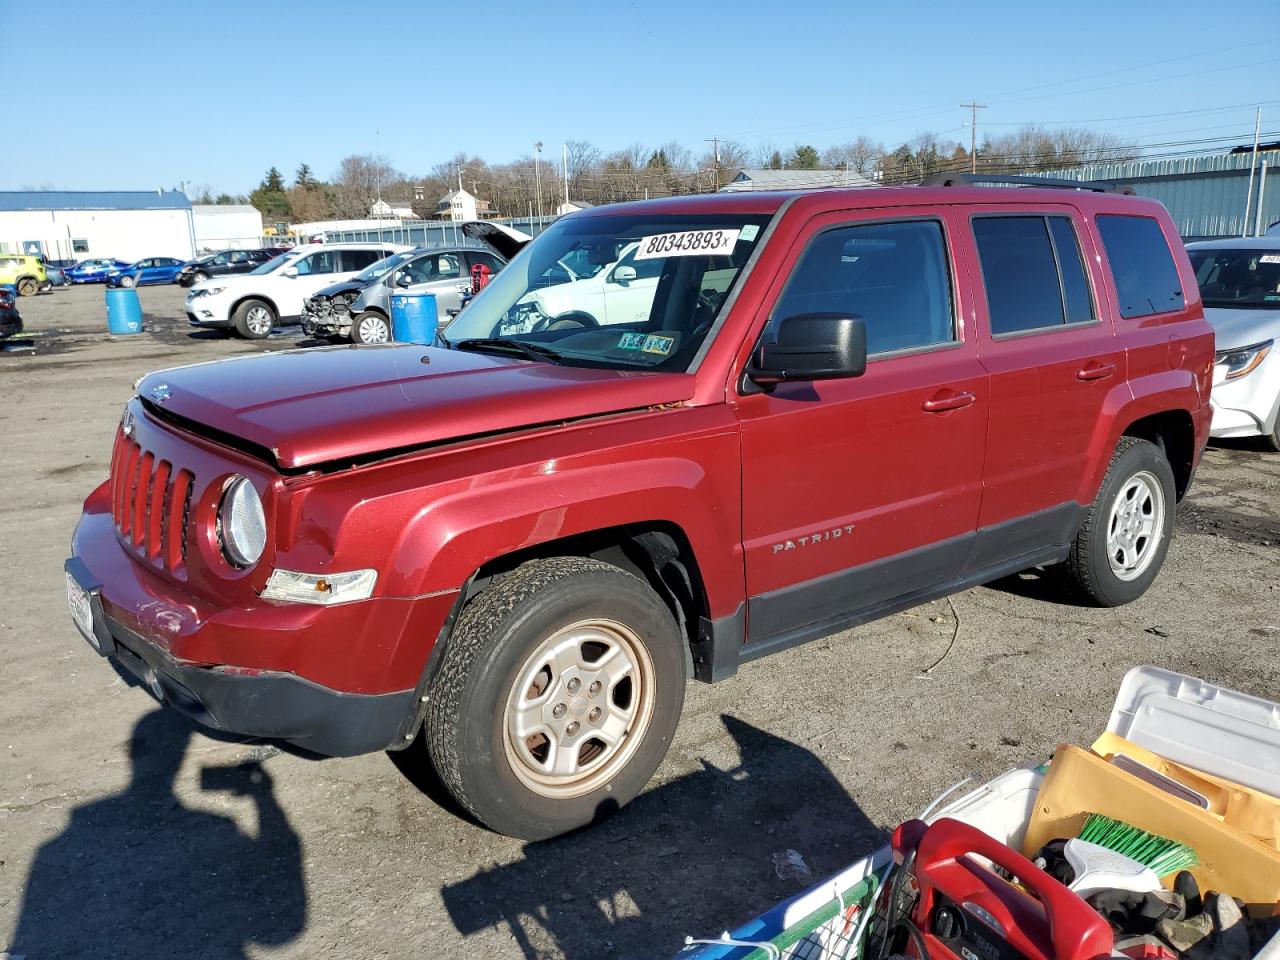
(93, 271)
(150, 270)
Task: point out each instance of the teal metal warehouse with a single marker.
(1207, 195)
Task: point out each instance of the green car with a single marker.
(24, 272)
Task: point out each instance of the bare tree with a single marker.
(861, 155)
(358, 182)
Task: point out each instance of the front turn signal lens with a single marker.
(324, 589)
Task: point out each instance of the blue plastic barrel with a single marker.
(124, 310)
(414, 317)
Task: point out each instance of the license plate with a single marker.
(81, 610)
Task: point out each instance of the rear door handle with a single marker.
(1095, 370)
(945, 400)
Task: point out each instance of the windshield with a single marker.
(380, 267)
(650, 289)
(1238, 278)
(273, 264)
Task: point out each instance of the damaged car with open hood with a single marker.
(360, 308)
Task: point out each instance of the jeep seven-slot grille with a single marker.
(151, 504)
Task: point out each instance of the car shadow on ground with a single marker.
(140, 874)
(693, 856)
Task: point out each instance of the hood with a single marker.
(314, 406)
(344, 286)
(1240, 326)
(504, 241)
(225, 280)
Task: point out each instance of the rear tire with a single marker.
(28, 287)
(1125, 537)
(557, 697)
(254, 319)
(370, 327)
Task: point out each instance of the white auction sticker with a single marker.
(1270, 258)
(688, 243)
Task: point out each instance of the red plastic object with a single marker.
(982, 911)
(1149, 950)
(479, 277)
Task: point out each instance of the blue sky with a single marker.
(140, 95)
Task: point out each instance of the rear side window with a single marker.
(1033, 273)
(359, 259)
(1146, 278)
(893, 275)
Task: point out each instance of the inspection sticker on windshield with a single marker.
(655, 344)
(631, 341)
(688, 243)
(1270, 258)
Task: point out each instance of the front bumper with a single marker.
(208, 311)
(334, 680)
(1247, 406)
(251, 703)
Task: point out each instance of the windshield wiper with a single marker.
(534, 351)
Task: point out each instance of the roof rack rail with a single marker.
(973, 179)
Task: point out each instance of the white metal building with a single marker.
(75, 224)
(230, 226)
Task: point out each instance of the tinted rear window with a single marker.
(1019, 272)
(1146, 278)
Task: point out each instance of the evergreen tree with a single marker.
(805, 157)
(270, 198)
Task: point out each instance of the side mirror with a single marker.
(291, 272)
(813, 346)
(624, 274)
(404, 280)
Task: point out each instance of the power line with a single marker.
(933, 110)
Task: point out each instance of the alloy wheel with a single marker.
(579, 708)
(1135, 526)
(259, 321)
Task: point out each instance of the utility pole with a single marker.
(537, 176)
(974, 107)
(564, 148)
(1253, 162)
(716, 154)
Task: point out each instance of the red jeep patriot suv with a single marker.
(670, 437)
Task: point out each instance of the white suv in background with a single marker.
(254, 303)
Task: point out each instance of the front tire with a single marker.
(254, 320)
(370, 327)
(558, 696)
(1125, 537)
(199, 277)
(127, 282)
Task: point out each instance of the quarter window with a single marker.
(1146, 278)
(893, 275)
(1033, 273)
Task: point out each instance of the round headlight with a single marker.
(242, 526)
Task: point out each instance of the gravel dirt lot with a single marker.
(125, 832)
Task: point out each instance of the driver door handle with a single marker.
(1095, 370)
(948, 399)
